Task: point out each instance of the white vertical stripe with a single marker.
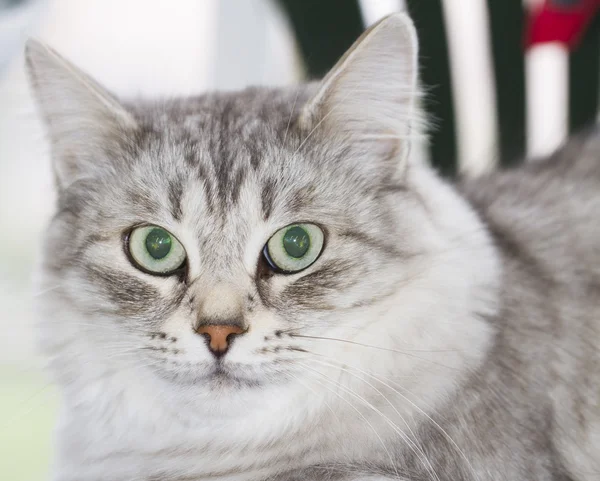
(373, 10)
(473, 84)
(547, 90)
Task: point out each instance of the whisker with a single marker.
(46, 291)
(417, 450)
(314, 392)
(363, 417)
(27, 403)
(41, 325)
(400, 351)
(397, 351)
(435, 423)
(26, 407)
(291, 115)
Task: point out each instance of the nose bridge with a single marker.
(221, 302)
(220, 317)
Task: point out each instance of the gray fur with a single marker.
(447, 332)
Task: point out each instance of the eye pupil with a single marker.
(296, 242)
(158, 243)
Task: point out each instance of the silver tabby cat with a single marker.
(268, 285)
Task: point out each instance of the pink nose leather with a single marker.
(218, 335)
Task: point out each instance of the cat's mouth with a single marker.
(218, 376)
(224, 376)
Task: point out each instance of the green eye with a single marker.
(155, 250)
(294, 247)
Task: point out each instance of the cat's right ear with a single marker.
(368, 98)
(82, 118)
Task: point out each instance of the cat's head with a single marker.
(235, 241)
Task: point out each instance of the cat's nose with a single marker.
(219, 336)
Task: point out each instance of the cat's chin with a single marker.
(219, 376)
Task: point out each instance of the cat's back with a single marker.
(548, 209)
(544, 218)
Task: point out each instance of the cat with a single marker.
(267, 285)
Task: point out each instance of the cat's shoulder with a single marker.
(565, 184)
(549, 207)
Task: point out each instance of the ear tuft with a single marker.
(80, 115)
(370, 95)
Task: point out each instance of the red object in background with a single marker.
(562, 21)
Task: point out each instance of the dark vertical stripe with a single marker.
(506, 25)
(435, 75)
(175, 195)
(584, 77)
(324, 29)
(267, 197)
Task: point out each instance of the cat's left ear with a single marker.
(368, 98)
(82, 118)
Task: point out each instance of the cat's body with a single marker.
(444, 333)
(545, 365)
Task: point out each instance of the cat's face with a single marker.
(220, 186)
(241, 240)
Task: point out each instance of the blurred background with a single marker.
(505, 80)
